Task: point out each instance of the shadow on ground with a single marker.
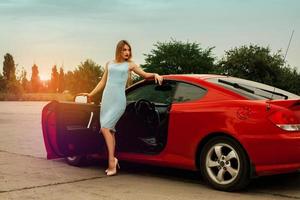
(278, 183)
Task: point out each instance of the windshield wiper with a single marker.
(276, 93)
(236, 85)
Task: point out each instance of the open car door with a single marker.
(71, 129)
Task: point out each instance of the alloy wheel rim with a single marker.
(222, 163)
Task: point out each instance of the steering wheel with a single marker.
(146, 110)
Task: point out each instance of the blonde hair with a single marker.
(119, 49)
(118, 58)
(129, 80)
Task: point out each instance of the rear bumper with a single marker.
(274, 154)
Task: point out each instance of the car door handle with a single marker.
(90, 121)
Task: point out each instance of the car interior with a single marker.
(145, 121)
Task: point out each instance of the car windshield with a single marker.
(252, 89)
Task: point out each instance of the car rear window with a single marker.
(252, 89)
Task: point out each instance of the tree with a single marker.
(54, 79)
(9, 82)
(61, 80)
(35, 79)
(15, 88)
(24, 81)
(176, 57)
(84, 78)
(2, 83)
(289, 80)
(252, 62)
(257, 63)
(9, 68)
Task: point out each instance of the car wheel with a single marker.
(76, 160)
(224, 164)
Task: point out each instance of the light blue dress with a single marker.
(113, 102)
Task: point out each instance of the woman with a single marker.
(113, 102)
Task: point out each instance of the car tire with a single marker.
(78, 161)
(224, 164)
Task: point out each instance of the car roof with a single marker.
(198, 76)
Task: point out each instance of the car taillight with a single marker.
(286, 120)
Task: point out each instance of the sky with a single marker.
(67, 32)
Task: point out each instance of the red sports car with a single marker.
(228, 128)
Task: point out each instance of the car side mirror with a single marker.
(81, 99)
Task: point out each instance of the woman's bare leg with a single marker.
(114, 139)
(110, 143)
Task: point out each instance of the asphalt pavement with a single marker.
(25, 173)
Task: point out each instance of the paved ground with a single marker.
(26, 174)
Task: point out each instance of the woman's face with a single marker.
(126, 51)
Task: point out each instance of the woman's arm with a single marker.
(138, 70)
(100, 86)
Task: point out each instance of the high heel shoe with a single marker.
(107, 168)
(114, 171)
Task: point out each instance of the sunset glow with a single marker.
(44, 77)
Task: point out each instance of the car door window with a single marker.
(187, 92)
(153, 92)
